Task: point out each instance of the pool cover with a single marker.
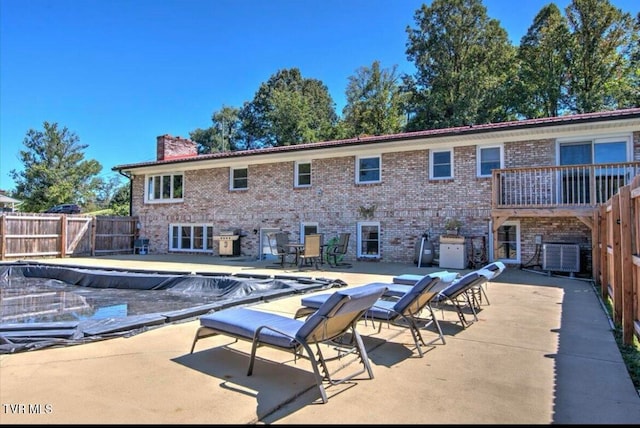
(53, 305)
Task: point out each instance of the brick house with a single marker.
(515, 186)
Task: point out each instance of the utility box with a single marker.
(453, 252)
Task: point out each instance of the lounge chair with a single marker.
(461, 293)
(404, 311)
(490, 271)
(334, 319)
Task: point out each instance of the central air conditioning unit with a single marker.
(561, 257)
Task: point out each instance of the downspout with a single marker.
(130, 190)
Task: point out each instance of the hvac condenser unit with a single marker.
(561, 257)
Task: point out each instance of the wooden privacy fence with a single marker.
(64, 235)
(616, 256)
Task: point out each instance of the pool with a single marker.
(54, 305)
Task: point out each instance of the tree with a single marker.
(119, 203)
(599, 65)
(55, 170)
(463, 62)
(375, 102)
(543, 55)
(223, 135)
(288, 109)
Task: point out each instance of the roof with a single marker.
(426, 134)
(7, 200)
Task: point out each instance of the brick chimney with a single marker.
(169, 147)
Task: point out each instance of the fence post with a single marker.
(626, 265)
(596, 248)
(604, 253)
(63, 235)
(617, 266)
(3, 233)
(93, 236)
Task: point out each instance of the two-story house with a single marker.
(517, 185)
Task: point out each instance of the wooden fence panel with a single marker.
(60, 235)
(619, 252)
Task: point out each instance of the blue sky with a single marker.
(119, 73)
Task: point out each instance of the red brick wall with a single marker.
(406, 203)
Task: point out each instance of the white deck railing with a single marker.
(560, 186)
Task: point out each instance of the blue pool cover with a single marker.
(54, 305)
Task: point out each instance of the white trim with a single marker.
(553, 131)
(303, 224)
(479, 158)
(206, 227)
(431, 165)
(147, 196)
(518, 258)
(231, 177)
(359, 238)
(361, 157)
(296, 173)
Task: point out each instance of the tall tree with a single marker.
(375, 102)
(463, 61)
(55, 170)
(598, 64)
(223, 135)
(543, 54)
(288, 109)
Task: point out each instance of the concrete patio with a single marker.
(542, 352)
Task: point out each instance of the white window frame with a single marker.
(232, 171)
(207, 231)
(518, 257)
(150, 181)
(360, 238)
(432, 163)
(304, 225)
(297, 174)
(479, 158)
(627, 138)
(360, 158)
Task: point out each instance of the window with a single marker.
(239, 179)
(368, 239)
(579, 184)
(308, 228)
(164, 188)
(302, 174)
(509, 242)
(441, 164)
(191, 237)
(489, 157)
(368, 169)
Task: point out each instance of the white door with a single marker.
(265, 252)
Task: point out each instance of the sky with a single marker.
(119, 73)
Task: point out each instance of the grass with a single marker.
(630, 353)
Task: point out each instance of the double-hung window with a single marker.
(239, 178)
(368, 169)
(302, 174)
(164, 187)
(441, 164)
(489, 158)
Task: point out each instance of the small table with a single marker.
(297, 247)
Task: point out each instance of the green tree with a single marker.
(223, 135)
(119, 203)
(375, 102)
(599, 66)
(55, 170)
(463, 63)
(543, 54)
(288, 109)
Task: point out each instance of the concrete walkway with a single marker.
(542, 352)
